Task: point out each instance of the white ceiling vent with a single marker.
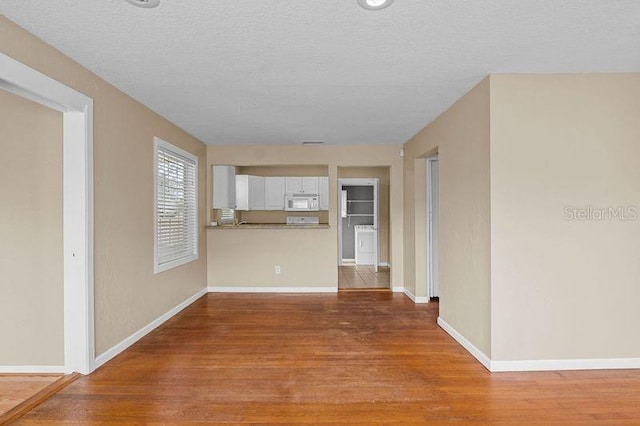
(312, 142)
(144, 3)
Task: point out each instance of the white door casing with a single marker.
(77, 109)
(433, 182)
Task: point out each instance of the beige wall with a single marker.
(564, 289)
(246, 258)
(460, 136)
(127, 293)
(519, 280)
(308, 257)
(382, 173)
(274, 170)
(31, 282)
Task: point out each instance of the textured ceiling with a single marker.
(254, 71)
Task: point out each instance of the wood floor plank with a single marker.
(15, 388)
(52, 384)
(352, 358)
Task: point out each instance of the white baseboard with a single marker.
(470, 347)
(566, 364)
(351, 262)
(414, 298)
(539, 364)
(32, 369)
(397, 289)
(273, 289)
(120, 347)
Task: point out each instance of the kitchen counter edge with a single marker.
(269, 226)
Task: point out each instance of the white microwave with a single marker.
(301, 202)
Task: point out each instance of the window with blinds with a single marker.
(176, 212)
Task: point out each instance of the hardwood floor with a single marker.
(49, 385)
(352, 358)
(16, 388)
(352, 277)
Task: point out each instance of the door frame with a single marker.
(77, 175)
(375, 182)
(430, 247)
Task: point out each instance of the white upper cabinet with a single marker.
(274, 193)
(323, 199)
(293, 185)
(302, 185)
(310, 185)
(250, 192)
(224, 187)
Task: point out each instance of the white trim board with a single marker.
(32, 369)
(77, 200)
(539, 364)
(397, 289)
(273, 289)
(352, 262)
(470, 347)
(111, 353)
(566, 364)
(414, 298)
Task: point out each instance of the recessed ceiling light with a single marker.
(144, 3)
(374, 4)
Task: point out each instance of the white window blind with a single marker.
(176, 225)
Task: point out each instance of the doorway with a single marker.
(433, 182)
(31, 298)
(77, 216)
(363, 228)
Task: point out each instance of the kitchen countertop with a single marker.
(270, 226)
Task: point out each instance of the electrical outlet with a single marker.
(278, 270)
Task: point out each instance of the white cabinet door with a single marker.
(256, 193)
(323, 192)
(301, 185)
(293, 185)
(310, 185)
(249, 192)
(274, 193)
(224, 187)
(242, 192)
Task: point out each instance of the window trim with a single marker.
(160, 143)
